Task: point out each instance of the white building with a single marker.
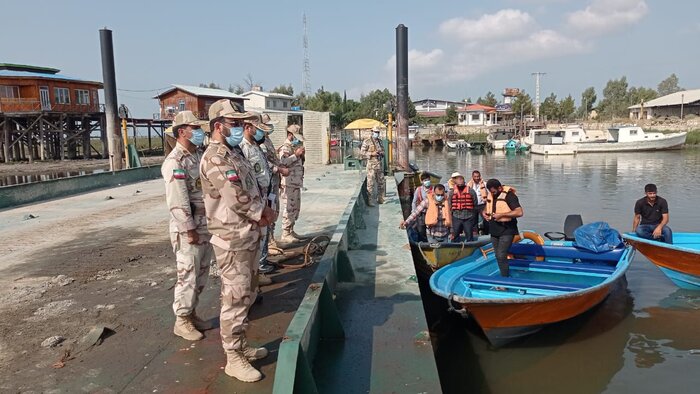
(677, 104)
(259, 100)
(433, 105)
(477, 115)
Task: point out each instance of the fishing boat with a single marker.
(458, 145)
(437, 255)
(550, 281)
(679, 261)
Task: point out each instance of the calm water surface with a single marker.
(644, 338)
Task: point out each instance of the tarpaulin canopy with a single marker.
(364, 124)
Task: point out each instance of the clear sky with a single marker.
(458, 49)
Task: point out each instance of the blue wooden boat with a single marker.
(549, 282)
(679, 261)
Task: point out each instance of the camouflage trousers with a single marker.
(239, 288)
(193, 263)
(375, 177)
(291, 205)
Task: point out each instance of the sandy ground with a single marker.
(43, 167)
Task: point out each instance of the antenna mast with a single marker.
(306, 74)
(537, 93)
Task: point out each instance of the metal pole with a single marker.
(126, 142)
(110, 91)
(391, 139)
(682, 98)
(402, 97)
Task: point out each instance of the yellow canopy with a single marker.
(364, 124)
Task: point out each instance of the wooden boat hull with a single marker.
(440, 255)
(678, 263)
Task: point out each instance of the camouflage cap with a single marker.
(187, 118)
(228, 109)
(258, 123)
(295, 129)
(268, 121)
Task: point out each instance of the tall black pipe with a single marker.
(402, 97)
(110, 92)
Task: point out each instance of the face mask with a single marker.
(295, 141)
(426, 183)
(375, 135)
(460, 187)
(236, 136)
(259, 135)
(197, 137)
(439, 198)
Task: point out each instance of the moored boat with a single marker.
(679, 261)
(436, 256)
(548, 283)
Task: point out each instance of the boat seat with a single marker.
(572, 267)
(566, 252)
(522, 283)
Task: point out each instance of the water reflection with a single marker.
(646, 329)
(10, 180)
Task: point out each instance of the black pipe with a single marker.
(402, 97)
(110, 93)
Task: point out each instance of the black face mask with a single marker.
(461, 187)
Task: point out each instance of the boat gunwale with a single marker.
(664, 245)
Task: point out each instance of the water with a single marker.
(643, 338)
(11, 180)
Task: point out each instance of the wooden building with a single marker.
(192, 98)
(47, 115)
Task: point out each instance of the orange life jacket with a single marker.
(432, 216)
(419, 198)
(462, 200)
(501, 204)
(482, 188)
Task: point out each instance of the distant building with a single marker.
(191, 98)
(259, 100)
(27, 89)
(677, 104)
(477, 115)
(434, 108)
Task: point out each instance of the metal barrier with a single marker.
(317, 317)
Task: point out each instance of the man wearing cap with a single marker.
(290, 190)
(373, 151)
(236, 212)
(651, 216)
(462, 200)
(253, 135)
(188, 223)
(278, 168)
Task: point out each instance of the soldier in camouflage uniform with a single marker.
(188, 224)
(236, 211)
(290, 190)
(278, 168)
(372, 150)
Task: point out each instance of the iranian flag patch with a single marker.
(179, 173)
(232, 176)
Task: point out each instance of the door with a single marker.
(45, 100)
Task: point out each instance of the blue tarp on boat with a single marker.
(597, 237)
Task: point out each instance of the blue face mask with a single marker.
(426, 183)
(236, 136)
(259, 135)
(197, 137)
(375, 135)
(295, 141)
(439, 198)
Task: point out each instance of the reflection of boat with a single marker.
(459, 145)
(679, 261)
(548, 283)
(436, 256)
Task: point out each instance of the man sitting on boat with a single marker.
(502, 210)
(462, 202)
(651, 216)
(420, 195)
(438, 218)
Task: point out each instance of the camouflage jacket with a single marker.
(370, 145)
(258, 161)
(232, 198)
(183, 190)
(296, 166)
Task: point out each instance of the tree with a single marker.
(549, 109)
(451, 114)
(669, 85)
(641, 95)
(490, 100)
(588, 98)
(615, 98)
(249, 82)
(284, 89)
(567, 107)
(210, 85)
(522, 104)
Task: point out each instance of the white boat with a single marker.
(459, 145)
(498, 139)
(412, 130)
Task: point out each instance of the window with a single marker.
(181, 105)
(633, 132)
(285, 104)
(268, 103)
(476, 117)
(62, 95)
(82, 97)
(9, 91)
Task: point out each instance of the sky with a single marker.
(457, 49)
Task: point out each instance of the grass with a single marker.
(693, 137)
(477, 137)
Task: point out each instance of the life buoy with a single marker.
(532, 236)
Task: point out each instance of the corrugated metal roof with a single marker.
(268, 94)
(27, 74)
(685, 97)
(208, 92)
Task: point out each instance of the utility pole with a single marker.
(537, 75)
(306, 73)
(682, 99)
(402, 99)
(110, 91)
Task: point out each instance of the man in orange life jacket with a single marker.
(438, 218)
(462, 202)
(502, 210)
(421, 194)
(479, 187)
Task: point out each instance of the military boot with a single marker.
(263, 280)
(184, 327)
(254, 353)
(289, 238)
(237, 366)
(271, 243)
(380, 200)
